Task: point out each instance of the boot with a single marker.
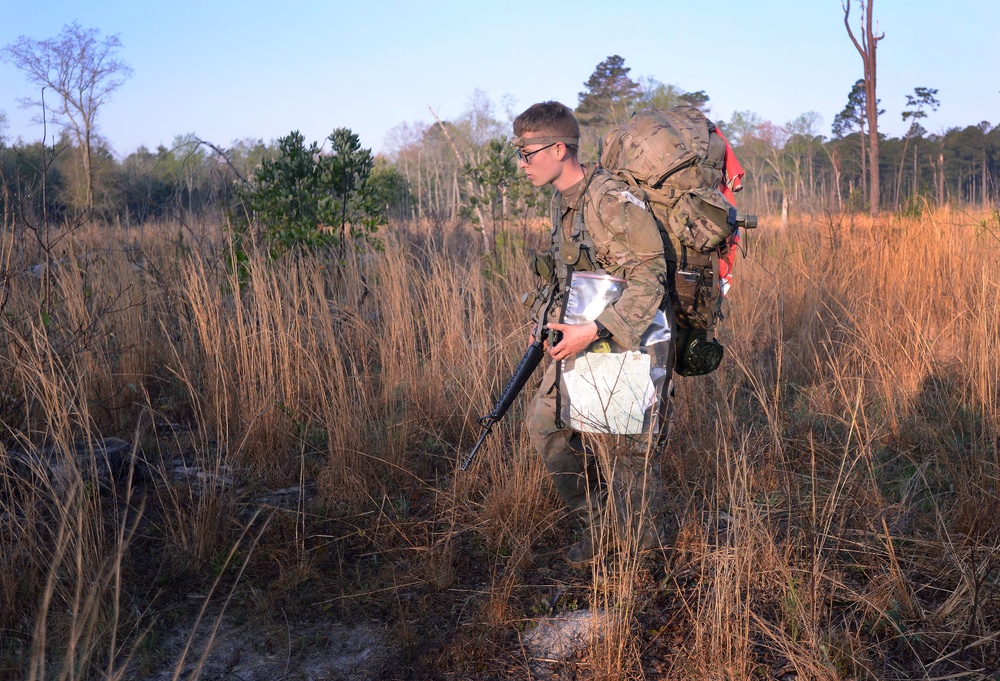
(581, 554)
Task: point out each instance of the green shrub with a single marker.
(304, 198)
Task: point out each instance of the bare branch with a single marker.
(79, 67)
(846, 4)
(225, 157)
(468, 182)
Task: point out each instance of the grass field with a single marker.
(295, 438)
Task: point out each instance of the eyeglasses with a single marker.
(526, 157)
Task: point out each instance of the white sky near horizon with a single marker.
(227, 70)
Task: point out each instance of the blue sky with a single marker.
(226, 70)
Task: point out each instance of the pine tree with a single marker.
(609, 96)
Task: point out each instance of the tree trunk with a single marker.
(864, 165)
(983, 184)
(874, 189)
(420, 185)
(940, 179)
(871, 104)
(899, 175)
(812, 176)
(867, 49)
(840, 198)
(88, 171)
(835, 164)
(438, 199)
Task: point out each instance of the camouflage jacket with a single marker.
(600, 214)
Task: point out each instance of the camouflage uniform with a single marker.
(599, 211)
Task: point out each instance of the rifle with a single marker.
(527, 365)
(529, 362)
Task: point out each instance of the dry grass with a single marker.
(835, 484)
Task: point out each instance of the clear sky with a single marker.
(226, 70)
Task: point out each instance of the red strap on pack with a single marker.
(733, 172)
(733, 182)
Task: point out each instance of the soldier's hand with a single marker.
(575, 339)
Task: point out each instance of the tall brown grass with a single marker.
(834, 485)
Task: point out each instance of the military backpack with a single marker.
(674, 160)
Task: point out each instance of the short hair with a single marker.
(553, 118)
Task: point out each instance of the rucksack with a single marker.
(676, 158)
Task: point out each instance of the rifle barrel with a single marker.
(487, 429)
(527, 365)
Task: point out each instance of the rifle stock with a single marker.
(529, 362)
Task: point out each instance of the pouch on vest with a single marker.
(607, 388)
(697, 355)
(702, 219)
(694, 296)
(544, 267)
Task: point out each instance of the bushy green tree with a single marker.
(665, 96)
(391, 190)
(304, 198)
(353, 203)
(495, 173)
(284, 192)
(610, 94)
(853, 116)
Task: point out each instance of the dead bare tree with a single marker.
(82, 69)
(471, 187)
(866, 48)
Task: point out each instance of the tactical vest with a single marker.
(577, 253)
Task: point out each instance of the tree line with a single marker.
(795, 164)
(460, 169)
(790, 166)
(188, 180)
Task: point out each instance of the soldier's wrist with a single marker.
(602, 331)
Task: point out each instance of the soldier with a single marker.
(597, 224)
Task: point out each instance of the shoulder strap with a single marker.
(556, 235)
(567, 254)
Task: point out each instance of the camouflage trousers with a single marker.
(612, 482)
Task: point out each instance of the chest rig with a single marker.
(574, 251)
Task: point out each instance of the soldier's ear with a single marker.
(561, 150)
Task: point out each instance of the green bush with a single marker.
(303, 198)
